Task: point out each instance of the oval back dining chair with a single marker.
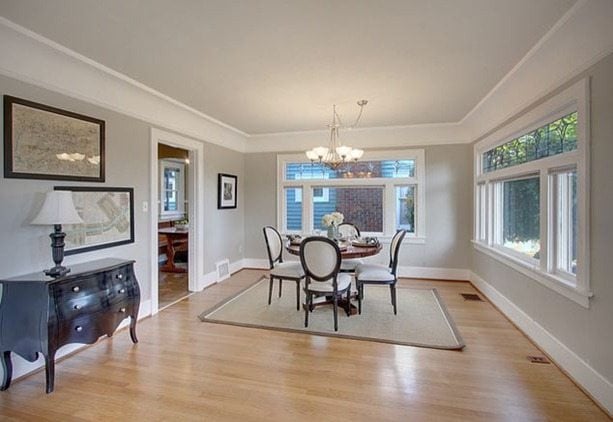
(380, 274)
(278, 269)
(321, 261)
(349, 231)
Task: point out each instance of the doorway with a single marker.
(173, 224)
(175, 217)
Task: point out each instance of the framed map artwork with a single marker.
(43, 142)
(108, 218)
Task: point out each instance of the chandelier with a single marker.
(336, 155)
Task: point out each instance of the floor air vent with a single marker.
(538, 359)
(223, 269)
(471, 296)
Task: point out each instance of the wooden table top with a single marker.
(350, 252)
(173, 231)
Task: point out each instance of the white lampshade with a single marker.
(356, 154)
(320, 151)
(58, 208)
(343, 151)
(312, 155)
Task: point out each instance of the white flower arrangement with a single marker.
(332, 219)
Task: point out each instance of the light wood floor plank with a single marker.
(184, 369)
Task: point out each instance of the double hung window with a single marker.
(380, 195)
(531, 192)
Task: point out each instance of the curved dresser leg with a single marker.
(7, 366)
(50, 371)
(133, 329)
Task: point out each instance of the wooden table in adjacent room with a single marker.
(348, 252)
(173, 235)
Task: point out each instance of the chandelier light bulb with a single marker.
(356, 153)
(321, 152)
(312, 155)
(344, 151)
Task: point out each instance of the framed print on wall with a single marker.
(43, 142)
(226, 191)
(108, 218)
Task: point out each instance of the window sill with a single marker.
(551, 281)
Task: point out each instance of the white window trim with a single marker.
(574, 98)
(180, 212)
(389, 198)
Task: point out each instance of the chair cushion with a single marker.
(369, 272)
(287, 270)
(343, 281)
(350, 264)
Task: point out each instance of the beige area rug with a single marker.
(422, 318)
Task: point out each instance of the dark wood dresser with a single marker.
(40, 314)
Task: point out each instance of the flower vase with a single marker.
(332, 231)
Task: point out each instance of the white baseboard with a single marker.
(580, 371)
(22, 367)
(433, 272)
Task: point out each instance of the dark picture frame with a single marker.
(227, 191)
(108, 218)
(44, 142)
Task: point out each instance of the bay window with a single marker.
(380, 196)
(531, 194)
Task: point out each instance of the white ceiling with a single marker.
(276, 66)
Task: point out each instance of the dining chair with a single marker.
(349, 231)
(321, 261)
(380, 274)
(280, 270)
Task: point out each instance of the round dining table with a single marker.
(348, 251)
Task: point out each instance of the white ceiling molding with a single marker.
(31, 58)
(373, 137)
(582, 37)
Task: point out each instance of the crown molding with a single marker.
(584, 30)
(32, 58)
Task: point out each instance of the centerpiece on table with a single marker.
(332, 221)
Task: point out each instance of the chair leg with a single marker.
(270, 290)
(393, 291)
(348, 303)
(298, 295)
(335, 312)
(360, 294)
(306, 309)
(280, 286)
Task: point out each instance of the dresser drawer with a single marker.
(74, 289)
(87, 328)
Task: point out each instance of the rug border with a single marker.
(202, 317)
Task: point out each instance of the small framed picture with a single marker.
(226, 191)
(108, 218)
(43, 142)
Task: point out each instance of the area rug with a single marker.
(422, 318)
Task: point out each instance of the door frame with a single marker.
(195, 191)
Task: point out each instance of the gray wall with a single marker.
(448, 207)
(587, 332)
(25, 247)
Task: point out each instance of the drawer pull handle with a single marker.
(122, 310)
(77, 307)
(122, 290)
(78, 328)
(119, 276)
(76, 289)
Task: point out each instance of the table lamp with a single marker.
(57, 209)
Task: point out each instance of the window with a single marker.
(380, 195)
(531, 194)
(172, 189)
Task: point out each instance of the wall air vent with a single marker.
(223, 269)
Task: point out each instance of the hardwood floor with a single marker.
(172, 287)
(184, 369)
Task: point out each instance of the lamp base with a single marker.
(57, 271)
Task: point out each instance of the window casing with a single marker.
(390, 187)
(530, 209)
